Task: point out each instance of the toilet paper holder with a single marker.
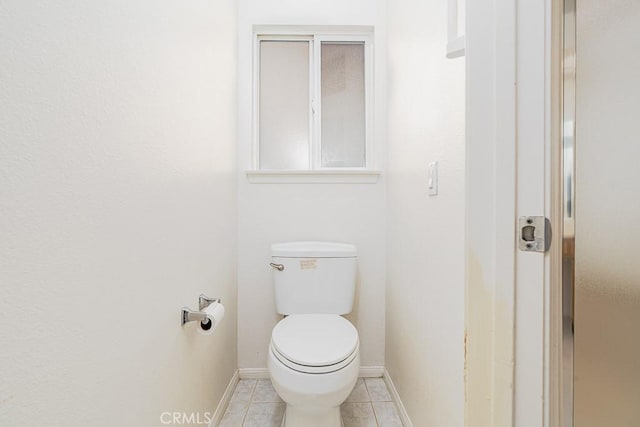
(188, 315)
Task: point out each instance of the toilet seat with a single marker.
(315, 343)
(314, 369)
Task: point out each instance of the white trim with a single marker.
(255, 102)
(284, 38)
(455, 35)
(315, 85)
(313, 176)
(371, 372)
(506, 147)
(344, 30)
(370, 157)
(263, 373)
(508, 70)
(491, 149)
(253, 373)
(402, 411)
(224, 400)
(533, 138)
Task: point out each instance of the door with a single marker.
(604, 210)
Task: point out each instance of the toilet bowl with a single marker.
(313, 363)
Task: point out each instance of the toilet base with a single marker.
(295, 417)
(313, 400)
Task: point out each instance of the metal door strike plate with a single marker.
(534, 233)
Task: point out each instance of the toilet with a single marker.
(314, 354)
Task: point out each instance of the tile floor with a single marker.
(256, 404)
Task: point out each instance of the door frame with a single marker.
(513, 130)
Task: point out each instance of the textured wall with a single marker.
(271, 213)
(117, 207)
(425, 256)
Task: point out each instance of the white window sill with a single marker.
(313, 176)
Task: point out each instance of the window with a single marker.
(313, 102)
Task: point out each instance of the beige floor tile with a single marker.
(243, 391)
(357, 415)
(264, 392)
(255, 403)
(264, 415)
(359, 393)
(386, 414)
(377, 390)
(234, 415)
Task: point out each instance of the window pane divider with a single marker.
(316, 81)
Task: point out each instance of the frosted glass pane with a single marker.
(607, 266)
(284, 105)
(343, 105)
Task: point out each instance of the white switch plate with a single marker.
(432, 179)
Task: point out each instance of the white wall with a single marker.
(281, 212)
(117, 207)
(425, 261)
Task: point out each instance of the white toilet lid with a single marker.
(315, 339)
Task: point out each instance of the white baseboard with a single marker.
(371, 372)
(402, 412)
(253, 373)
(224, 400)
(263, 373)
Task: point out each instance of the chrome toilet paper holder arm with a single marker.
(204, 301)
(188, 315)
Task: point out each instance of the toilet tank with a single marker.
(314, 277)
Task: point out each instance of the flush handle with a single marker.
(278, 267)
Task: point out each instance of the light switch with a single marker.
(432, 179)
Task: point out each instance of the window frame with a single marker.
(315, 37)
(455, 29)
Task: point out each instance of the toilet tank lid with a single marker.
(313, 250)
